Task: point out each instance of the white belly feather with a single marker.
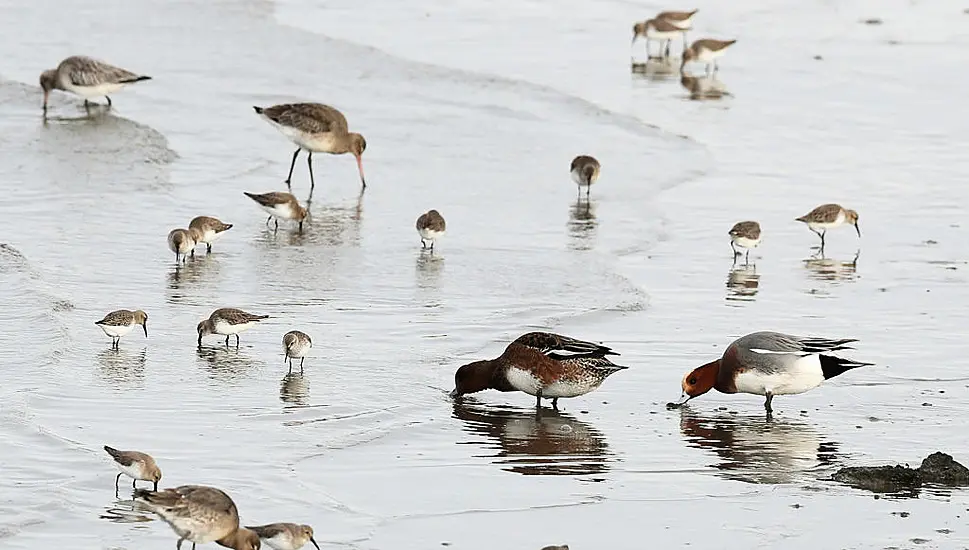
(117, 331)
(224, 328)
(802, 375)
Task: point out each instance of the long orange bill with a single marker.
(360, 168)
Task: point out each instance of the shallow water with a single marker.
(476, 110)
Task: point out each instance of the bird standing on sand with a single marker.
(209, 230)
(430, 226)
(829, 216)
(769, 364)
(745, 235)
(200, 514)
(88, 78)
(136, 465)
(285, 536)
(227, 321)
(706, 50)
(315, 128)
(585, 172)
(296, 345)
(119, 323)
(279, 205)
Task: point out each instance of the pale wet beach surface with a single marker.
(477, 111)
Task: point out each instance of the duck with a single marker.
(770, 363)
(541, 364)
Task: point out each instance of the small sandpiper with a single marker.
(119, 323)
(315, 128)
(706, 50)
(682, 20)
(745, 235)
(285, 536)
(430, 226)
(88, 78)
(656, 29)
(585, 172)
(182, 242)
(296, 345)
(279, 205)
(209, 230)
(829, 216)
(226, 322)
(200, 514)
(138, 466)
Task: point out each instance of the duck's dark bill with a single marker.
(678, 405)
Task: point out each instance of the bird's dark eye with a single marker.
(691, 381)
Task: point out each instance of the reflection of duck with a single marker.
(537, 443)
(755, 450)
(655, 68)
(826, 269)
(294, 389)
(122, 366)
(703, 87)
(742, 282)
(225, 364)
(583, 224)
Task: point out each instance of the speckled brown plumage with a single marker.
(747, 230)
(200, 514)
(433, 220)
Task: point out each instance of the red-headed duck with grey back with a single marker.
(540, 364)
(769, 364)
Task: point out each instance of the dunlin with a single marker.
(88, 78)
(745, 235)
(119, 323)
(769, 364)
(829, 216)
(681, 19)
(656, 29)
(200, 514)
(315, 128)
(209, 230)
(279, 205)
(137, 466)
(430, 226)
(296, 345)
(585, 172)
(227, 321)
(285, 536)
(706, 50)
(182, 242)
(540, 364)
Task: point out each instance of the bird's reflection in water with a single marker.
(827, 269)
(655, 68)
(742, 283)
(125, 511)
(294, 390)
(582, 224)
(334, 225)
(122, 366)
(530, 442)
(196, 268)
(225, 364)
(703, 87)
(755, 450)
(430, 265)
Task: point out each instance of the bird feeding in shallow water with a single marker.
(208, 230)
(769, 364)
(430, 226)
(296, 345)
(584, 171)
(829, 216)
(136, 465)
(746, 235)
(706, 50)
(119, 323)
(281, 206)
(200, 514)
(315, 128)
(87, 78)
(228, 321)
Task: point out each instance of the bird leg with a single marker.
(668, 43)
(734, 248)
(290, 366)
(134, 483)
(226, 340)
(269, 219)
(555, 403)
(109, 100)
(237, 341)
(767, 407)
(747, 257)
(116, 481)
(208, 248)
(301, 364)
(423, 244)
(277, 227)
(309, 162)
(289, 178)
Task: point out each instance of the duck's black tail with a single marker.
(832, 366)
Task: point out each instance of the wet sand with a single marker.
(476, 111)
